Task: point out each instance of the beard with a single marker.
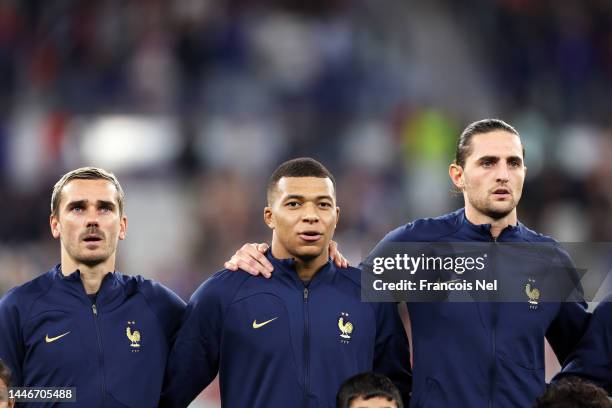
(487, 208)
(90, 259)
(494, 213)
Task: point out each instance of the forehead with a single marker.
(376, 402)
(91, 190)
(305, 186)
(497, 143)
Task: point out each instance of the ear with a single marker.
(123, 227)
(337, 216)
(55, 226)
(455, 172)
(269, 217)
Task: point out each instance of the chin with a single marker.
(92, 260)
(498, 212)
(308, 253)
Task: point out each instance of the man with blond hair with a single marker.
(83, 324)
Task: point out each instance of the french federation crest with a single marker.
(133, 336)
(346, 328)
(533, 293)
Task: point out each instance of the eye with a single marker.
(487, 163)
(105, 209)
(325, 204)
(292, 204)
(515, 163)
(77, 208)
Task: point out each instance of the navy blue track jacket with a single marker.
(483, 354)
(114, 351)
(592, 359)
(279, 343)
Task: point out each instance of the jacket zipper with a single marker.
(306, 349)
(493, 368)
(100, 351)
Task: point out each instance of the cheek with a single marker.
(330, 221)
(472, 182)
(282, 222)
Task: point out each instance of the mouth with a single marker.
(501, 192)
(92, 239)
(310, 236)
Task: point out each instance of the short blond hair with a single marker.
(85, 173)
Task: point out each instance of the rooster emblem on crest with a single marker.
(133, 336)
(346, 327)
(532, 292)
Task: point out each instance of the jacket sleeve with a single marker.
(392, 351)
(12, 350)
(194, 360)
(572, 319)
(592, 359)
(167, 306)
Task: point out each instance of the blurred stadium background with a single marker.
(192, 103)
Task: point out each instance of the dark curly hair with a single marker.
(573, 392)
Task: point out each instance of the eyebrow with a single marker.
(99, 203)
(497, 158)
(301, 197)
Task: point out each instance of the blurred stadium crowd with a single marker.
(192, 103)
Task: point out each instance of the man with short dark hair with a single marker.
(368, 390)
(479, 353)
(83, 324)
(5, 383)
(289, 341)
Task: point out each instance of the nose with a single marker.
(503, 175)
(92, 219)
(310, 214)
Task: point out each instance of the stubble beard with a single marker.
(92, 260)
(487, 208)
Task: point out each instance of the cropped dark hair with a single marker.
(464, 144)
(367, 386)
(300, 167)
(573, 392)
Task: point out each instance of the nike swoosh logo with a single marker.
(52, 339)
(258, 325)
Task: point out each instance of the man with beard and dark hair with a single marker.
(83, 324)
(476, 354)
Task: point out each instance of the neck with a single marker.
(497, 224)
(91, 276)
(305, 268)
